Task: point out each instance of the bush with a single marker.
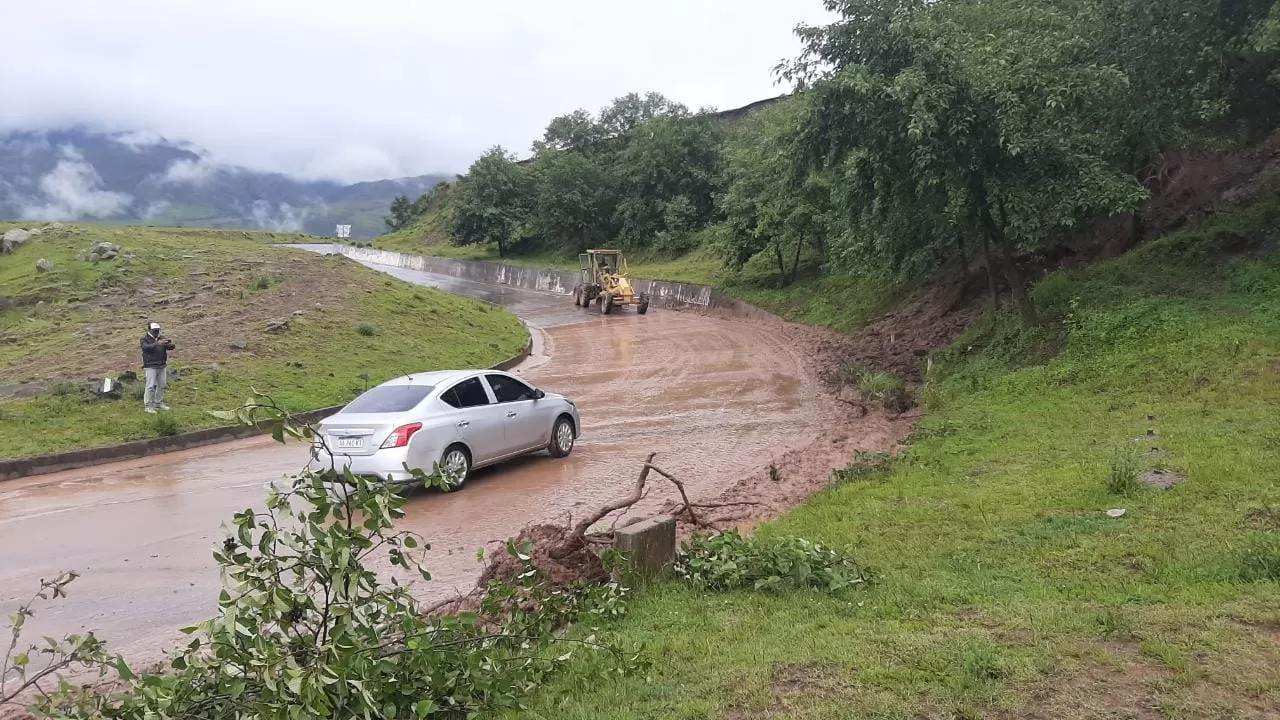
(1123, 472)
(164, 425)
(367, 329)
(264, 282)
(728, 561)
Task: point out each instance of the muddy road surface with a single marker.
(716, 399)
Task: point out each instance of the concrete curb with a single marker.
(74, 459)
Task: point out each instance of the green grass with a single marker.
(214, 288)
(1001, 585)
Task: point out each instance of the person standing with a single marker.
(155, 363)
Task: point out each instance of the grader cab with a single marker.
(603, 278)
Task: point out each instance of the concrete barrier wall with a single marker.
(662, 293)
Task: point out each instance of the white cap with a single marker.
(155, 326)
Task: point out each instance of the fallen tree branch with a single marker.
(688, 506)
(580, 530)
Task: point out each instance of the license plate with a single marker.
(353, 443)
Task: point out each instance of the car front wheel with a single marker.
(455, 465)
(561, 438)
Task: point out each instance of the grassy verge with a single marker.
(349, 327)
(1003, 588)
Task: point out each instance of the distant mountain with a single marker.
(78, 174)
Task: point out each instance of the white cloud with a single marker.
(191, 172)
(73, 190)
(283, 218)
(139, 139)
(379, 88)
(155, 209)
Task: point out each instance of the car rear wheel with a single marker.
(455, 465)
(561, 438)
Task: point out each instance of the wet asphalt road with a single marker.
(717, 399)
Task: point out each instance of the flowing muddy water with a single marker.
(716, 399)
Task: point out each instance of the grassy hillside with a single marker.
(349, 327)
(1003, 589)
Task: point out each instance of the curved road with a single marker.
(717, 399)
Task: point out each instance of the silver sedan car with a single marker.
(456, 420)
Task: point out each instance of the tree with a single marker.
(575, 131)
(632, 110)
(987, 122)
(767, 207)
(668, 173)
(402, 213)
(573, 200)
(490, 202)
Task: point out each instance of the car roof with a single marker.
(435, 378)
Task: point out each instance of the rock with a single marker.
(54, 226)
(107, 389)
(34, 232)
(240, 345)
(43, 265)
(1116, 513)
(298, 313)
(128, 376)
(104, 251)
(278, 325)
(12, 239)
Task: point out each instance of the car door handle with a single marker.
(464, 423)
(511, 414)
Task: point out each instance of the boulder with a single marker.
(12, 239)
(104, 251)
(43, 265)
(278, 325)
(240, 345)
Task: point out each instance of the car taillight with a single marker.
(400, 436)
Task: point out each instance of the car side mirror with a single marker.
(538, 394)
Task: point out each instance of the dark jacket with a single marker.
(154, 354)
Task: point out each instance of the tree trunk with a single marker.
(795, 266)
(782, 264)
(1013, 276)
(994, 300)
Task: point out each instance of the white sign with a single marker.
(344, 231)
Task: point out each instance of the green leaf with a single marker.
(123, 670)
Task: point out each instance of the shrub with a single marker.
(728, 561)
(73, 391)
(1123, 472)
(367, 329)
(165, 425)
(264, 282)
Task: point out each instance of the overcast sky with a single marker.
(365, 89)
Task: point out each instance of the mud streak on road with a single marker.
(717, 399)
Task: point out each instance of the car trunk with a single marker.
(358, 434)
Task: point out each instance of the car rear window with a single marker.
(389, 399)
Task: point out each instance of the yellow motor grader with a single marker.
(603, 278)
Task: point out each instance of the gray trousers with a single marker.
(157, 381)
